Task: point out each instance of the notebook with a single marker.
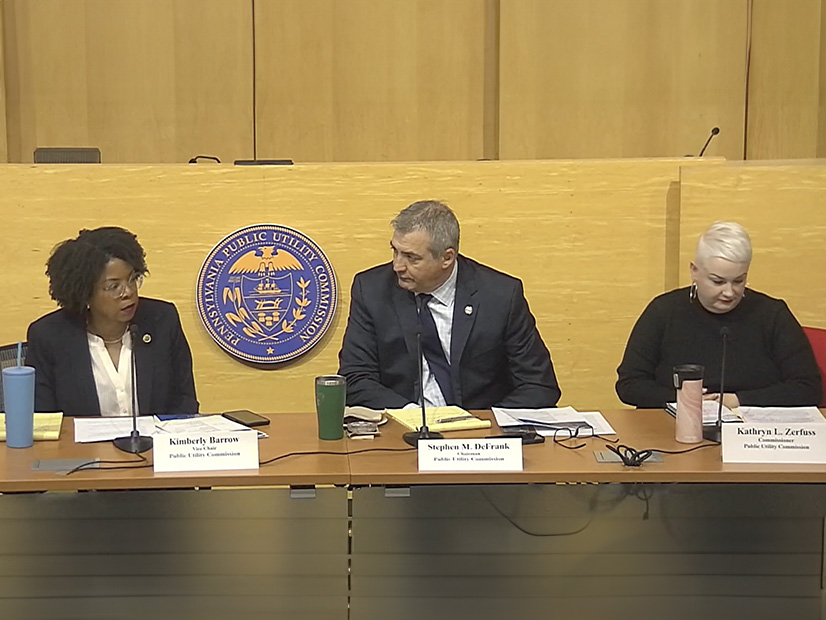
(439, 419)
(46, 426)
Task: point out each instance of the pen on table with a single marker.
(453, 419)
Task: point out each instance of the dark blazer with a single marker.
(59, 351)
(497, 356)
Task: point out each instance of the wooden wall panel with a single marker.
(628, 78)
(784, 88)
(391, 80)
(3, 147)
(589, 240)
(150, 81)
(821, 111)
(783, 207)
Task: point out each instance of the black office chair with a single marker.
(8, 358)
(67, 155)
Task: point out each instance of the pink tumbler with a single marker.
(688, 379)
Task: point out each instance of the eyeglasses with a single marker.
(576, 431)
(118, 288)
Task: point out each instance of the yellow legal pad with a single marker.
(460, 420)
(46, 426)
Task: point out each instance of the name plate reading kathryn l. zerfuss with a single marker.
(447, 455)
(774, 443)
(212, 451)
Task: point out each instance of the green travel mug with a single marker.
(330, 395)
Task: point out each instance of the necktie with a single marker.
(432, 349)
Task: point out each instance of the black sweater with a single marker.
(769, 361)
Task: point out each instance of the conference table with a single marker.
(351, 529)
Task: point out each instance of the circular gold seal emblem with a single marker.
(266, 293)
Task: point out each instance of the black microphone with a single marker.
(134, 443)
(713, 133)
(714, 433)
(413, 437)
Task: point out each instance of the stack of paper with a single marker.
(782, 415)
(46, 426)
(89, 430)
(439, 419)
(710, 412)
(549, 421)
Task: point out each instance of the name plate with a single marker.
(230, 450)
(774, 443)
(500, 454)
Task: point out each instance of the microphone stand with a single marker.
(715, 433)
(412, 438)
(714, 132)
(134, 443)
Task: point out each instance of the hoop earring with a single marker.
(692, 292)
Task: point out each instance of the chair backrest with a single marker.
(817, 337)
(67, 155)
(8, 357)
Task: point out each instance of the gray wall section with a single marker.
(183, 554)
(588, 551)
(473, 551)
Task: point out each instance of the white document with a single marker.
(88, 430)
(549, 416)
(201, 425)
(710, 412)
(598, 422)
(782, 415)
(552, 419)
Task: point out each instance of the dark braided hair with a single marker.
(76, 265)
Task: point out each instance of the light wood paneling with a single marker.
(821, 114)
(3, 147)
(627, 78)
(588, 239)
(784, 84)
(149, 81)
(392, 80)
(783, 207)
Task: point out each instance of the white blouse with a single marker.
(114, 386)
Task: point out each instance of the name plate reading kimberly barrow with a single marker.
(230, 450)
(500, 454)
(774, 443)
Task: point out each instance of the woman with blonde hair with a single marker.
(769, 360)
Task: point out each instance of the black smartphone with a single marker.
(247, 418)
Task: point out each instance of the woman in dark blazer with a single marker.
(83, 353)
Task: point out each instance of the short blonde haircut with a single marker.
(726, 240)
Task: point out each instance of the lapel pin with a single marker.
(147, 338)
(468, 310)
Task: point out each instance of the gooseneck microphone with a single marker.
(714, 433)
(713, 133)
(134, 443)
(413, 437)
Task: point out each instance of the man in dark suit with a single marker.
(480, 345)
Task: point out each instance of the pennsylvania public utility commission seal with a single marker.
(267, 293)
